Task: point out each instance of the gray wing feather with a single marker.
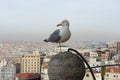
(54, 37)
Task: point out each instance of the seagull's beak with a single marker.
(59, 25)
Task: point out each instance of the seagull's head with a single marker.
(64, 23)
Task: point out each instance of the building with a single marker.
(94, 64)
(93, 54)
(7, 72)
(61, 48)
(114, 46)
(112, 73)
(88, 76)
(30, 62)
(3, 62)
(118, 48)
(44, 70)
(27, 76)
(17, 67)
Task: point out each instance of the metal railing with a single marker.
(88, 66)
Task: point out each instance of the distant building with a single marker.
(27, 76)
(94, 64)
(63, 48)
(3, 62)
(104, 54)
(88, 76)
(30, 63)
(44, 71)
(112, 73)
(118, 48)
(114, 46)
(17, 67)
(116, 58)
(7, 72)
(93, 54)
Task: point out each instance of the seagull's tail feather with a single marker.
(45, 40)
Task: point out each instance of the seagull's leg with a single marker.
(60, 47)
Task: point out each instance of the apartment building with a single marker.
(7, 72)
(30, 62)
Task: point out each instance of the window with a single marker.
(107, 75)
(113, 75)
(116, 75)
(87, 75)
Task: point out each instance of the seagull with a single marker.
(60, 35)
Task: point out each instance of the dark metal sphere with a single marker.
(66, 66)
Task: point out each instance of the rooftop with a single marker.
(28, 75)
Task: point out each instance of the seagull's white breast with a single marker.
(65, 34)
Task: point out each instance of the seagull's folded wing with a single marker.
(54, 37)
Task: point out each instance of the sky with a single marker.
(90, 20)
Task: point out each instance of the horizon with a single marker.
(36, 20)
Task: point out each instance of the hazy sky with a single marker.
(36, 19)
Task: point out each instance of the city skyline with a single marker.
(36, 19)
